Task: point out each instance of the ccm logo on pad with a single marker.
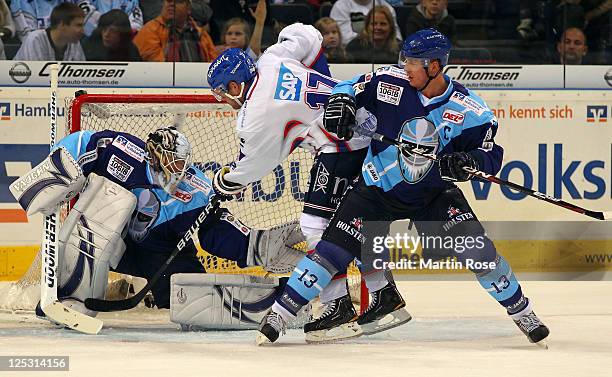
(453, 117)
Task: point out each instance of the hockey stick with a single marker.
(101, 305)
(607, 215)
(49, 303)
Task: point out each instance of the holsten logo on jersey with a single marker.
(288, 85)
(389, 93)
(119, 168)
(129, 148)
(452, 116)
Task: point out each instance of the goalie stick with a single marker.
(49, 303)
(101, 305)
(606, 215)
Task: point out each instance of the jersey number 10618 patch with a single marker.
(119, 168)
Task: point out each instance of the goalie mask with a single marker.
(169, 153)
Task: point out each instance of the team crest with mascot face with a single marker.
(417, 133)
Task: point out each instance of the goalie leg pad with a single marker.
(90, 241)
(56, 180)
(220, 301)
(274, 248)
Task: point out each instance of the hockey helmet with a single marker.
(169, 154)
(425, 45)
(232, 65)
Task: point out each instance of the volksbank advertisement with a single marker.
(558, 142)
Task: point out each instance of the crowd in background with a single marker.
(354, 31)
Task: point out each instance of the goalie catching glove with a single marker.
(224, 188)
(452, 166)
(340, 115)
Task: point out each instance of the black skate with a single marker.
(531, 326)
(385, 312)
(270, 328)
(337, 322)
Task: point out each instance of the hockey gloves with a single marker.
(225, 189)
(451, 166)
(340, 115)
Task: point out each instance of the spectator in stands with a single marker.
(572, 47)
(332, 40)
(431, 14)
(377, 42)
(598, 15)
(174, 36)
(60, 41)
(350, 16)
(7, 26)
(31, 15)
(237, 32)
(226, 9)
(200, 10)
(531, 14)
(95, 8)
(112, 39)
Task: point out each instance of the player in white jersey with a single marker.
(281, 104)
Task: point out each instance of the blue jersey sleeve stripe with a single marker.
(346, 86)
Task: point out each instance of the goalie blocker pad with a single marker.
(56, 180)
(90, 241)
(220, 301)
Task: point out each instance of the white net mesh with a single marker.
(210, 128)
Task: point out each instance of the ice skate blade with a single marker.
(261, 339)
(345, 331)
(391, 320)
(542, 344)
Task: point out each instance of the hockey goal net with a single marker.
(210, 128)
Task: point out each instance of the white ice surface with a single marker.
(457, 330)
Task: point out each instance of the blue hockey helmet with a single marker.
(232, 65)
(426, 45)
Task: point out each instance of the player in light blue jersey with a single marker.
(137, 199)
(417, 105)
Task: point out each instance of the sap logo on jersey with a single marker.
(453, 116)
(288, 85)
(597, 114)
(119, 168)
(389, 93)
